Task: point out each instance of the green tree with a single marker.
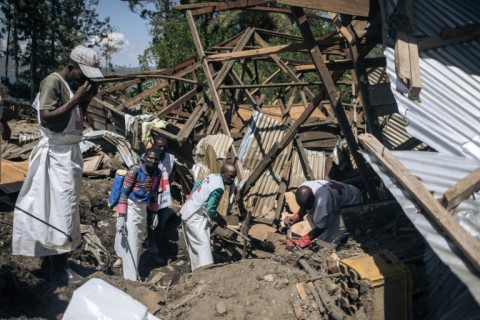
(48, 30)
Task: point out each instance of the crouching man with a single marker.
(321, 200)
(199, 211)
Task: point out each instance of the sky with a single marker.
(133, 28)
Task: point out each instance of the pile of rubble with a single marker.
(326, 111)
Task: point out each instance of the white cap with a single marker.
(88, 61)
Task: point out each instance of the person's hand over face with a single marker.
(86, 91)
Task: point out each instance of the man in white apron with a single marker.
(200, 209)
(139, 191)
(165, 218)
(46, 217)
(321, 200)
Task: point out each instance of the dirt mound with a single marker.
(248, 289)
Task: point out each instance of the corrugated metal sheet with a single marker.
(221, 143)
(316, 160)
(448, 298)
(437, 172)
(394, 132)
(262, 133)
(377, 75)
(448, 116)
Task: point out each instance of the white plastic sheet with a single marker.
(97, 299)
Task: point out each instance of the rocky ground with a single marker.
(264, 287)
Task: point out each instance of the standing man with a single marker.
(139, 191)
(157, 221)
(200, 209)
(46, 217)
(321, 200)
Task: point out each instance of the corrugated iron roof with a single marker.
(316, 160)
(447, 117)
(262, 133)
(448, 297)
(437, 172)
(394, 132)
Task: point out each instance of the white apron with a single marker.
(130, 248)
(196, 230)
(164, 195)
(51, 192)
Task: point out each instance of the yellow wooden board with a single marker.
(12, 175)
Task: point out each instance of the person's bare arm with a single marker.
(84, 93)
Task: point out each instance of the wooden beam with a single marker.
(351, 7)
(334, 99)
(402, 57)
(281, 191)
(278, 147)
(187, 96)
(291, 74)
(256, 52)
(286, 11)
(222, 6)
(278, 85)
(191, 122)
(103, 104)
(467, 244)
(142, 95)
(415, 84)
(304, 159)
(195, 5)
(428, 43)
(461, 190)
(212, 86)
(345, 64)
(120, 86)
(407, 64)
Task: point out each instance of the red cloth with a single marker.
(302, 242)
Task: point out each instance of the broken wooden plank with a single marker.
(92, 163)
(467, 244)
(461, 190)
(12, 175)
(297, 309)
(301, 291)
(415, 84)
(428, 43)
(407, 63)
(402, 57)
(97, 173)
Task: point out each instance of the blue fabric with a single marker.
(143, 188)
(116, 188)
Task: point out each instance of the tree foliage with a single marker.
(171, 37)
(41, 34)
